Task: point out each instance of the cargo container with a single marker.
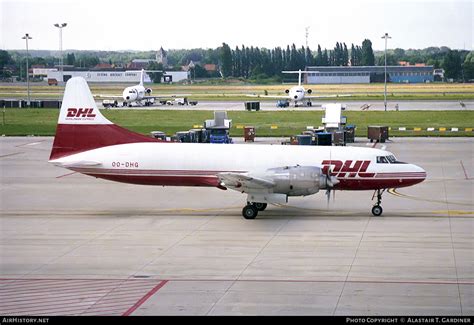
(252, 106)
(339, 138)
(183, 136)
(350, 133)
(377, 133)
(304, 139)
(249, 133)
(198, 135)
(323, 139)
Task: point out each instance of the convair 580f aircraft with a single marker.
(298, 94)
(88, 143)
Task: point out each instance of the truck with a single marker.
(181, 101)
(220, 136)
(107, 103)
(283, 103)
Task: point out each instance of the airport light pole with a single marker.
(61, 26)
(306, 35)
(192, 66)
(26, 38)
(385, 74)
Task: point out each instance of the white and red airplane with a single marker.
(298, 94)
(88, 143)
(140, 95)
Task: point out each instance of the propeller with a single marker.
(331, 181)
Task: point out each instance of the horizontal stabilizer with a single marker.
(269, 96)
(327, 96)
(77, 164)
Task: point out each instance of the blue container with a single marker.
(323, 139)
(304, 140)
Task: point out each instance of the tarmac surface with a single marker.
(266, 105)
(75, 245)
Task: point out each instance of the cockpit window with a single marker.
(391, 159)
(388, 160)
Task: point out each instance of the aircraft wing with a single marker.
(270, 96)
(166, 96)
(326, 96)
(145, 97)
(109, 96)
(244, 182)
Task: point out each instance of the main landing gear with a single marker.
(377, 209)
(250, 211)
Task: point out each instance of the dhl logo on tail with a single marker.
(74, 113)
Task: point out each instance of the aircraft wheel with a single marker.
(250, 212)
(260, 206)
(377, 210)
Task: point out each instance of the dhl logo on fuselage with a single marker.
(73, 113)
(348, 168)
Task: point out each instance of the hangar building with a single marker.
(368, 74)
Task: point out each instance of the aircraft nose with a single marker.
(419, 173)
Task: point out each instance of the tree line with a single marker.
(256, 63)
(249, 62)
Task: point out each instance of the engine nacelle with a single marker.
(148, 91)
(309, 91)
(287, 91)
(297, 180)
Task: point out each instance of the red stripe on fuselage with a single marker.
(160, 180)
(375, 184)
(199, 178)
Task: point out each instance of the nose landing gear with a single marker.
(377, 209)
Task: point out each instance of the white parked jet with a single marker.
(298, 94)
(140, 95)
(88, 143)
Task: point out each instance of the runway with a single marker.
(75, 245)
(406, 105)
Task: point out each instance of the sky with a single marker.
(184, 24)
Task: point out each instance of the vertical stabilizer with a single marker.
(299, 72)
(142, 77)
(81, 125)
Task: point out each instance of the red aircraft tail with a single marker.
(82, 127)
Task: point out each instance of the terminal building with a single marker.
(128, 76)
(368, 74)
